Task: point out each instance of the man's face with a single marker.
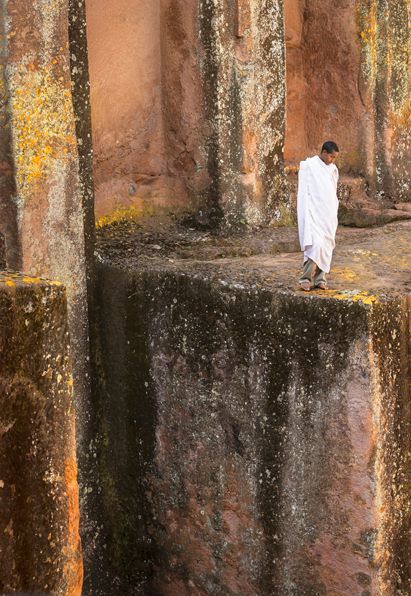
(329, 158)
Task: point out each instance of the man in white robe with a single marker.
(317, 210)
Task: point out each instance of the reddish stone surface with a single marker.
(52, 209)
(185, 129)
(268, 430)
(183, 110)
(347, 81)
(50, 212)
(145, 107)
(323, 67)
(385, 86)
(40, 549)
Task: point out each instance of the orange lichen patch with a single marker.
(402, 119)
(42, 118)
(73, 568)
(10, 283)
(32, 280)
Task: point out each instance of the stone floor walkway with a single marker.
(366, 261)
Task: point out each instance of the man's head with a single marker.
(329, 152)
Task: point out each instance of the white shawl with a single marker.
(317, 209)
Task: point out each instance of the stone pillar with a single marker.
(40, 550)
(385, 86)
(296, 146)
(46, 179)
(48, 197)
(184, 127)
(243, 76)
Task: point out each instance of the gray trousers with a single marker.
(312, 273)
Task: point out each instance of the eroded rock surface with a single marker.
(40, 549)
(253, 439)
(205, 130)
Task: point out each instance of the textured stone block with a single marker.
(253, 441)
(39, 513)
(242, 64)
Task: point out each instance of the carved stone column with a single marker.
(243, 74)
(385, 84)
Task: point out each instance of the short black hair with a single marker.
(330, 147)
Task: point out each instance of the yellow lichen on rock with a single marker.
(123, 214)
(346, 273)
(42, 117)
(365, 298)
(368, 37)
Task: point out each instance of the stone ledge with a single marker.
(373, 260)
(266, 432)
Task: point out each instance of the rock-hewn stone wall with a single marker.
(252, 437)
(348, 80)
(243, 76)
(206, 129)
(323, 61)
(45, 175)
(47, 193)
(386, 90)
(40, 549)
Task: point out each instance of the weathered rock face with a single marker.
(323, 60)
(51, 206)
(184, 126)
(386, 91)
(250, 440)
(209, 401)
(8, 210)
(46, 173)
(206, 129)
(243, 75)
(147, 109)
(125, 75)
(39, 512)
(347, 80)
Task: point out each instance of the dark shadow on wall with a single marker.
(8, 192)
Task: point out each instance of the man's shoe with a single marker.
(322, 286)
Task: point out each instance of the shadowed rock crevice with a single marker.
(8, 207)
